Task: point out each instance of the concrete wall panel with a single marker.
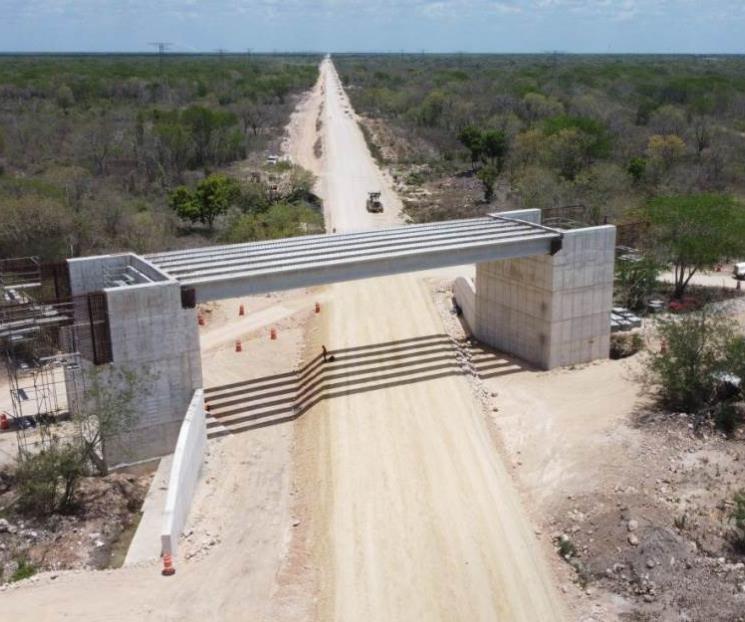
(185, 468)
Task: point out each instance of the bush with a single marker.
(623, 345)
(728, 418)
(47, 482)
(636, 280)
(698, 348)
(737, 517)
(24, 570)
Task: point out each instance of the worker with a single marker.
(324, 353)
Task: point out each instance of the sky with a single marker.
(594, 26)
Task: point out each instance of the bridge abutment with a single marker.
(550, 310)
(148, 336)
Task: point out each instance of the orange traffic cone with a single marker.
(241, 310)
(318, 307)
(238, 346)
(273, 333)
(168, 569)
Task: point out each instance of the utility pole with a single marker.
(163, 47)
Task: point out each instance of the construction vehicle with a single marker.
(374, 203)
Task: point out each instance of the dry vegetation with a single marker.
(605, 132)
(91, 147)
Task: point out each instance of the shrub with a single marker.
(698, 348)
(737, 517)
(47, 482)
(623, 345)
(24, 570)
(727, 418)
(636, 280)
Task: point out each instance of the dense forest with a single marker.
(95, 151)
(603, 132)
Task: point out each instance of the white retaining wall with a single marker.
(464, 292)
(187, 463)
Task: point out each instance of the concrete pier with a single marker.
(152, 334)
(550, 310)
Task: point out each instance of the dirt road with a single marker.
(415, 517)
(403, 509)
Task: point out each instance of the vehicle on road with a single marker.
(374, 204)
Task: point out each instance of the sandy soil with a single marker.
(410, 513)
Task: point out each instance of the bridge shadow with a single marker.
(271, 400)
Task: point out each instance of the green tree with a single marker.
(488, 176)
(212, 197)
(472, 139)
(495, 147)
(47, 481)
(280, 220)
(216, 194)
(695, 232)
(697, 348)
(183, 200)
(636, 168)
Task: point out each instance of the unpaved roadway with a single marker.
(402, 511)
(415, 517)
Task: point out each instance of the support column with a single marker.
(550, 311)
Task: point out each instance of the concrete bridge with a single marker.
(541, 294)
(241, 269)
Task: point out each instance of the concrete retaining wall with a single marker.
(185, 468)
(464, 292)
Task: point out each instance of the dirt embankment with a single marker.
(634, 506)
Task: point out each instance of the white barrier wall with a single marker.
(464, 292)
(187, 463)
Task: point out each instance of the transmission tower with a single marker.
(163, 47)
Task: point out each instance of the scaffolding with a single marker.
(38, 340)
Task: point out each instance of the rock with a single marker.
(632, 525)
(651, 563)
(633, 540)
(99, 543)
(4, 525)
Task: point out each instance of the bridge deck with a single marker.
(258, 267)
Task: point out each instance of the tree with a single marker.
(212, 197)
(666, 149)
(488, 176)
(636, 168)
(108, 408)
(494, 145)
(280, 220)
(695, 232)
(696, 352)
(216, 194)
(48, 481)
(471, 138)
